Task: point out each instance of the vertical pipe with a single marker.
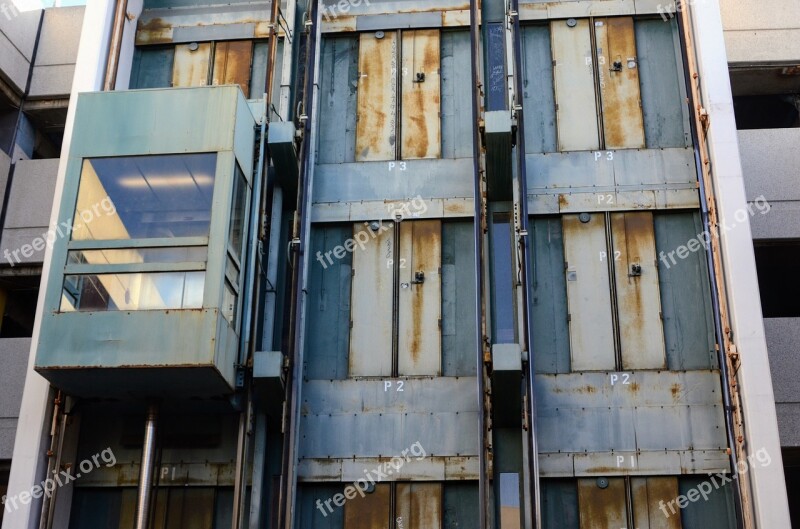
(54, 457)
(112, 61)
(146, 470)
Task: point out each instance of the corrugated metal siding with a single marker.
(338, 97)
(588, 295)
(685, 303)
(191, 68)
(538, 97)
(602, 508)
(717, 512)
(456, 78)
(419, 506)
(458, 300)
(328, 316)
(576, 106)
(377, 97)
(232, 61)
(152, 68)
(619, 89)
(461, 505)
(420, 128)
(559, 504)
(646, 494)
(548, 297)
(308, 515)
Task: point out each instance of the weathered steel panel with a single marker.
(716, 512)
(618, 73)
(232, 62)
(548, 297)
(538, 96)
(588, 295)
(191, 67)
(647, 493)
(638, 299)
(377, 97)
(559, 504)
(309, 516)
(420, 128)
(152, 68)
(419, 506)
(685, 302)
(371, 301)
(371, 511)
(643, 463)
(337, 100)
(576, 106)
(420, 302)
(456, 124)
(460, 505)
(458, 300)
(602, 507)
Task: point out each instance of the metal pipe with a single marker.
(53, 455)
(146, 470)
(114, 47)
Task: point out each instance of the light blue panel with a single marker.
(716, 512)
(456, 97)
(328, 302)
(538, 99)
(685, 292)
(308, 516)
(337, 99)
(548, 297)
(559, 504)
(152, 67)
(258, 70)
(154, 4)
(661, 78)
(458, 300)
(461, 505)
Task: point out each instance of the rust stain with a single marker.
(634, 387)
(602, 507)
(676, 391)
(421, 93)
(377, 97)
(190, 68)
(232, 62)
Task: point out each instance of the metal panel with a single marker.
(602, 507)
(538, 97)
(421, 134)
(328, 317)
(377, 97)
(420, 302)
(661, 76)
(152, 68)
(638, 299)
(371, 302)
(460, 505)
(232, 61)
(311, 517)
(419, 506)
(371, 511)
(559, 504)
(588, 295)
(191, 67)
(548, 297)
(576, 106)
(458, 300)
(716, 512)
(337, 100)
(456, 74)
(685, 293)
(618, 74)
(648, 494)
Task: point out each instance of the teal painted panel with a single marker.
(328, 317)
(456, 97)
(152, 68)
(538, 99)
(337, 99)
(458, 300)
(717, 512)
(308, 516)
(685, 292)
(661, 79)
(548, 297)
(93, 508)
(559, 504)
(460, 505)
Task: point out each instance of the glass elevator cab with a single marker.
(143, 296)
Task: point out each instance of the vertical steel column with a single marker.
(146, 470)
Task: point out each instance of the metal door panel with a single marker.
(420, 128)
(456, 74)
(370, 511)
(152, 68)
(232, 61)
(537, 85)
(190, 507)
(338, 100)
(602, 508)
(419, 506)
(371, 302)
(588, 296)
(458, 300)
(420, 304)
(377, 97)
(618, 73)
(190, 68)
(638, 299)
(576, 106)
(648, 494)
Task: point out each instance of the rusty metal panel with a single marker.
(190, 67)
(419, 506)
(420, 302)
(232, 62)
(638, 298)
(573, 77)
(421, 133)
(371, 511)
(618, 73)
(376, 127)
(588, 295)
(648, 494)
(602, 507)
(371, 302)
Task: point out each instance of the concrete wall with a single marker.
(14, 355)
(761, 30)
(783, 335)
(54, 66)
(17, 40)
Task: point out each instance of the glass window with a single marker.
(238, 214)
(185, 254)
(138, 197)
(134, 291)
(502, 279)
(230, 304)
